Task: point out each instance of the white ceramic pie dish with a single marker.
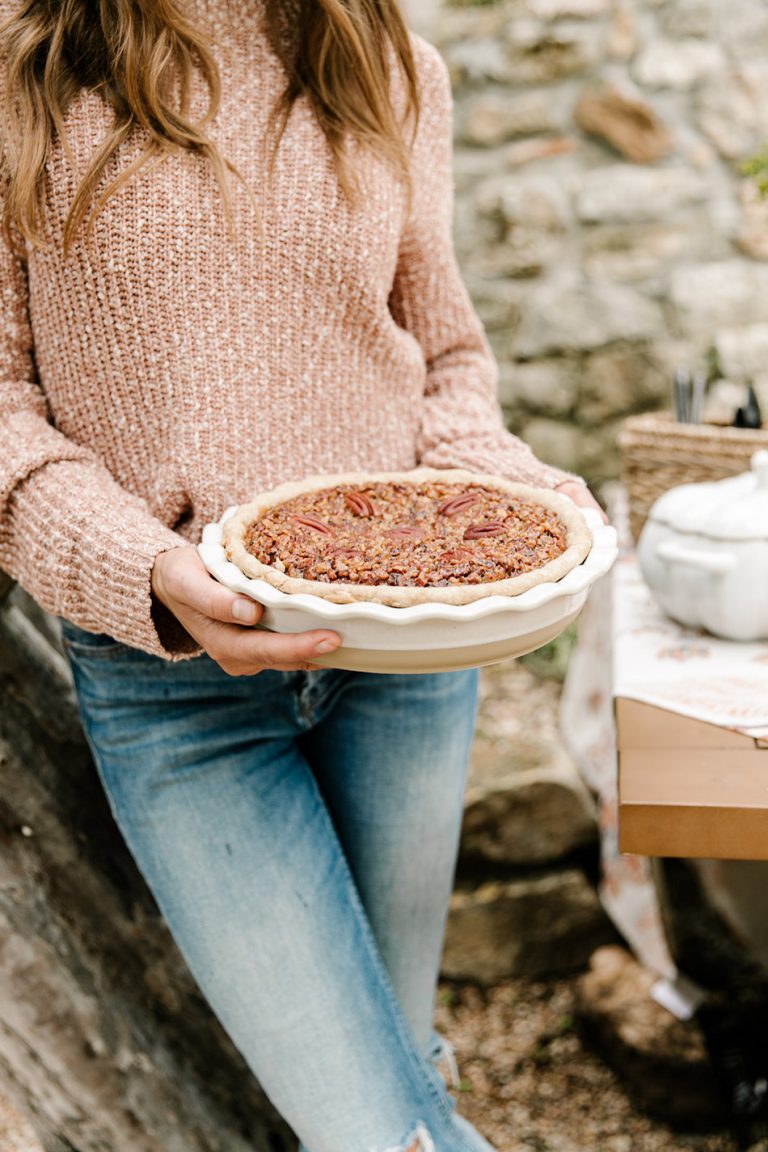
(424, 637)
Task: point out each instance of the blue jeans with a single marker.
(299, 833)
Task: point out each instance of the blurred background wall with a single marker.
(603, 223)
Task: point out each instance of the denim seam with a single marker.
(315, 701)
(402, 1030)
(96, 652)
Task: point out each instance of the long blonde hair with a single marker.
(141, 55)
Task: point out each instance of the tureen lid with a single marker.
(732, 509)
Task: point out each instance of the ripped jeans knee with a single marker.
(417, 1140)
(441, 1051)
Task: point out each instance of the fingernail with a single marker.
(326, 646)
(245, 611)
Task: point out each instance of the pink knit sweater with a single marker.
(168, 369)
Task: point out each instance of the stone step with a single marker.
(533, 926)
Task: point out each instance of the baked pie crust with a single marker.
(458, 513)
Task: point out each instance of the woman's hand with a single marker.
(221, 621)
(580, 495)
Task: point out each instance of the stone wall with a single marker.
(603, 225)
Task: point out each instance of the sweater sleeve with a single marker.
(462, 424)
(80, 544)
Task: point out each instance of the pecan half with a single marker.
(359, 504)
(458, 503)
(405, 532)
(478, 531)
(313, 523)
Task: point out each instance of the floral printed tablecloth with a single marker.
(627, 647)
(687, 672)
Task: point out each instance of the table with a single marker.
(687, 716)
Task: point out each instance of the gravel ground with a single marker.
(530, 1085)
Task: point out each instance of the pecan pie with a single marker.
(403, 538)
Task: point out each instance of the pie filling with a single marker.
(427, 535)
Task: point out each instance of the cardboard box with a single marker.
(687, 788)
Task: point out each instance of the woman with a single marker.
(227, 263)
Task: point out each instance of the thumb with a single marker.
(205, 595)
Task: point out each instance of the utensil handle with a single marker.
(716, 562)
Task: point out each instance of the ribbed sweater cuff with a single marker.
(86, 550)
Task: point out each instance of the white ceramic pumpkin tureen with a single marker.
(704, 554)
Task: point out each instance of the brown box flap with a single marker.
(646, 726)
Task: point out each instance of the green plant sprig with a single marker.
(757, 168)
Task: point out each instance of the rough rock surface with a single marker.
(524, 904)
(627, 122)
(15, 1134)
(528, 817)
(525, 804)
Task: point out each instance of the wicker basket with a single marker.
(658, 454)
